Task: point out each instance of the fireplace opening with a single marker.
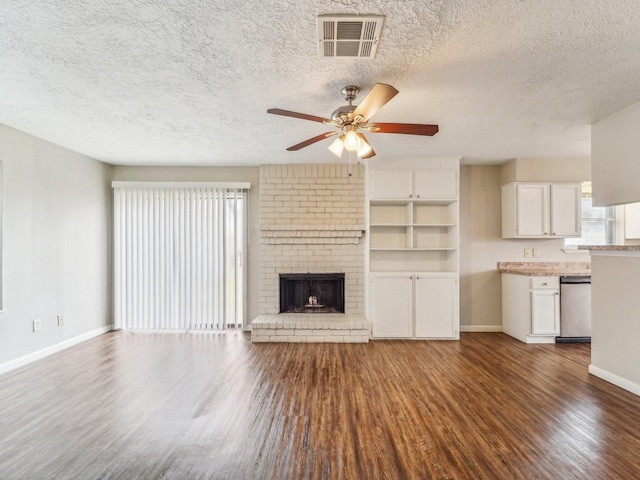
(312, 293)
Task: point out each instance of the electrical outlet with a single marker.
(536, 254)
(527, 253)
(37, 325)
(60, 320)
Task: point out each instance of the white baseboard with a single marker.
(32, 357)
(481, 328)
(615, 379)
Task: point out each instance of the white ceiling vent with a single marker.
(349, 35)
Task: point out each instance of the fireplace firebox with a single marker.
(312, 293)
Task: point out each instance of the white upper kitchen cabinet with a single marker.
(532, 210)
(632, 221)
(392, 184)
(541, 210)
(566, 210)
(414, 184)
(436, 184)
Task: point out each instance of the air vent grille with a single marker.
(348, 35)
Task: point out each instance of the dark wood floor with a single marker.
(201, 406)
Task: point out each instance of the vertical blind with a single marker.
(179, 255)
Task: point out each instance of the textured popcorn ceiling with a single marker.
(189, 81)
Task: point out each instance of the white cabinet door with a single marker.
(407, 184)
(532, 210)
(391, 305)
(545, 312)
(632, 220)
(566, 210)
(436, 307)
(391, 184)
(436, 184)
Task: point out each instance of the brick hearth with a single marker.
(312, 327)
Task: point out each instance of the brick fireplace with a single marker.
(312, 221)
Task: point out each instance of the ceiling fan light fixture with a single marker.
(337, 146)
(351, 140)
(364, 147)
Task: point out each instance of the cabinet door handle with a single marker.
(545, 284)
(410, 196)
(417, 196)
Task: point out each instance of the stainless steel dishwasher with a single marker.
(575, 310)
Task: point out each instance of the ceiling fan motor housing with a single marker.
(349, 92)
(343, 115)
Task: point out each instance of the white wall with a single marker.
(615, 335)
(213, 174)
(559, 169)
(615, 147)
(615, 157)
(56, 249)
(482, 246)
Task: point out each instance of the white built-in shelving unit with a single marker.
(413, 250)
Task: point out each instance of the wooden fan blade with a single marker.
(379, 95)
(405, 128)
(311, 141)
(303, 116)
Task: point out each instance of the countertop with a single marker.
(549, 269)
(613, 248)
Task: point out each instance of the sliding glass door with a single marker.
(179, 256)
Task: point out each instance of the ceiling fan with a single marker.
(351, 120)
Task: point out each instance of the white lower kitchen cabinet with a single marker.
(415, 305)
(392, 305)
(531, 307)
(545, 312)
(436, 306)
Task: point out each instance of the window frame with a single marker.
(611, 217)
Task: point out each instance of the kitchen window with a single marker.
(599, 224)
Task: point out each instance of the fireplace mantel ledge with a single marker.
(311, 234)
(270, 227)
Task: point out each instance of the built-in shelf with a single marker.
(390, 225)
(413, 252)
(403, 201)
(412, 249)
(413, 226)
(416, 225)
